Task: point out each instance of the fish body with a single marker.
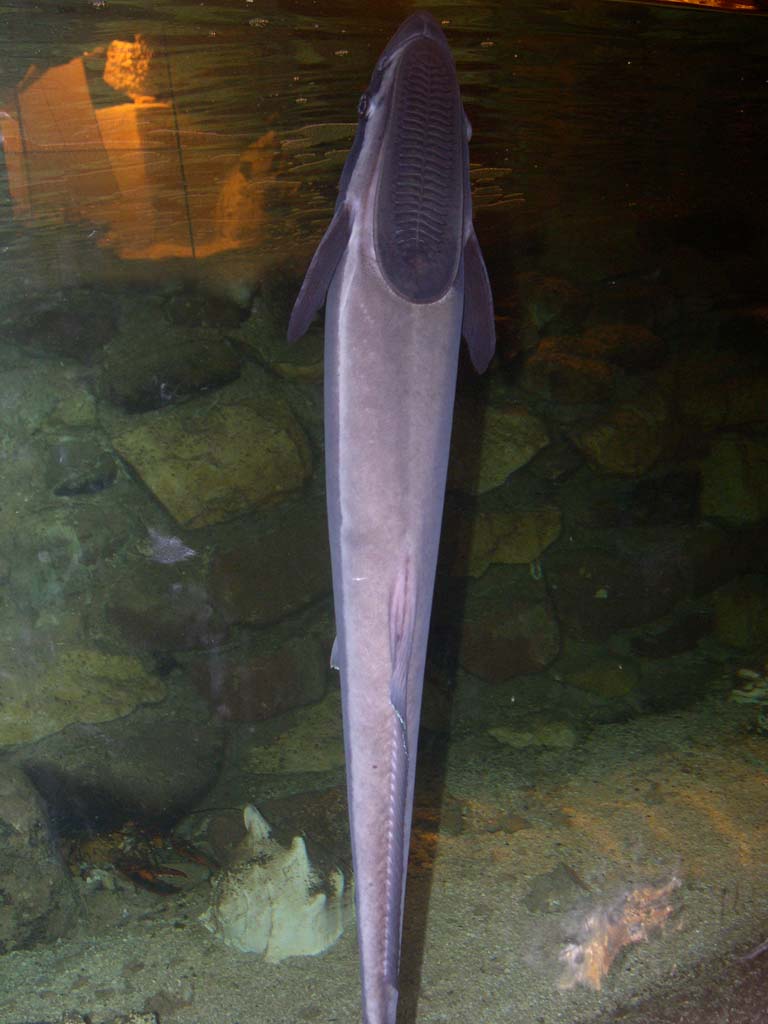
(404, 278)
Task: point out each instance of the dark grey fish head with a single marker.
(410, 153)
(420, 24)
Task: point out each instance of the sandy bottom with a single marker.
(546, 839)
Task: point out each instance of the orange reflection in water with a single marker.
(720, 5)
(152, 186)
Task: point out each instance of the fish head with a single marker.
(407, 170)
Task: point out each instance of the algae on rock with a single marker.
(81, 685)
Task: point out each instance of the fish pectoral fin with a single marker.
(320, 271)
(478, 326)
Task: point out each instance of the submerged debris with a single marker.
(167, 550)
(752, 688)
(272, 901)
(606, 931)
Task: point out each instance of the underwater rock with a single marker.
(677, 681)
(139, 374)
(250, 683)
(746, 331)
(713, 555)
(554, 891)
(549, 303)
(79, 466)
(741, 613)
(630, 346)
(264, 331)
(598, 591)
(510, 436)
(747, 398)
(557, 372)
(213, 459)
(514, 537)
(290, 554)
(556, 463)
(42, 396)
(47, 564)
(735, 480)
(676, 636)
(630, 438)
(38, 898)
(604, 677)
(75, 324)
(671, 499)
(500, 636)
(80, 684)
(272, 902)
(203, 309)
(701, 398)
(154, 764)
(163, 607)
(519, 638)
(312, 743)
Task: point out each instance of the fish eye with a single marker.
(362, 106)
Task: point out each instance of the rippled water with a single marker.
(576, 107)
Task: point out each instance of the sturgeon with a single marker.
(402, 276)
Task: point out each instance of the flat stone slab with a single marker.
(80, 685)
(210, 460)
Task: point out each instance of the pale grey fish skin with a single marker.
(168, 550)
(404, 279)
